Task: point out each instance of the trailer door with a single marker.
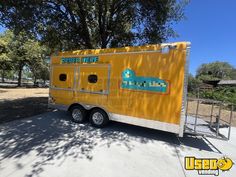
(63, 77)
(94, 79)
(62, 83)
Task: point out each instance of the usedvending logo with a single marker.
(133, 82)
(208, 166)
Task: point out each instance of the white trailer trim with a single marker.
(154, 124)
(164, 45)
(139, 121)
(185, 90)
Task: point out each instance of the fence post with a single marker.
(196, 115)
(230, 121)
(212, 108)
(218, 120)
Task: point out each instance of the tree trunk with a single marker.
(35, 81)
(3, 75)
(85, 30)
(19, 76)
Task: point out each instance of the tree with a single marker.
(215, 71)
(44, 73)
(5, 61)
(69, 24)
(25, 51)
(18, 53)
(22, 51)
(193, 84)
(233, 74)
(36, 54)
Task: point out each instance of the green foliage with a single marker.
(5, 61)
(215, 71)
(225, 94)
(5, 38)
(20, 51)
(193, 84)
(81, 24)
(36, 56)
(3, 50)
(44, 72)
(233, 74)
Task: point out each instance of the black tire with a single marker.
(81, 113)
(102, 116)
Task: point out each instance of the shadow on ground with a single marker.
(53, 136)
(21, 108)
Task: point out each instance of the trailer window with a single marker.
(92, 78)
(62, 77)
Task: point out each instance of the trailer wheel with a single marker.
(78, 114)
(98, 118)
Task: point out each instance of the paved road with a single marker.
(51, 145)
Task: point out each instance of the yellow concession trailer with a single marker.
(144, 85)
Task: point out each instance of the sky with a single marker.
(210, 26)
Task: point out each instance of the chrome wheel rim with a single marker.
(97, 118)
(77, 115)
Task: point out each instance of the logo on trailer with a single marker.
(133, 82)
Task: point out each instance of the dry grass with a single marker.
(22, 102)
(18, 93)
(205, 111)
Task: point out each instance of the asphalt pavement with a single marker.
(50, 145)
